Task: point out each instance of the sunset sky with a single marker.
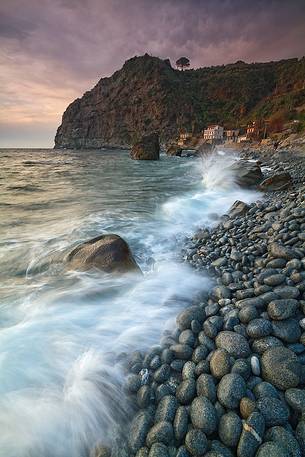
(51, 51)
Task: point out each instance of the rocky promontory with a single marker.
(148, 95)
(229, 381)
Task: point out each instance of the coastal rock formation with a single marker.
(246, 173)
(148, 148)
(109, 253)
(281, 181)
(148, 95)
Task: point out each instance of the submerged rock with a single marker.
(148, 148)
(109, 253)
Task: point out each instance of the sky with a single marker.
(52, 51)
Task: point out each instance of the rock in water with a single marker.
(247, 174)
(281, 181)
(148, 148)
(109, 253)
(174, 150)
(238, 208)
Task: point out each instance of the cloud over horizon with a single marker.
(52, 51)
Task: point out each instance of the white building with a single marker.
(213, 133)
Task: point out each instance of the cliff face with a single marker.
(148, 95)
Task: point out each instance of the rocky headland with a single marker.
(229, 381)
(148, 95)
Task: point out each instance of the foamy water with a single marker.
(62, 332)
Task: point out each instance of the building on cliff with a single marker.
(213, 133)
(231, 135)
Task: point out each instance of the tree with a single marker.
(182, 63)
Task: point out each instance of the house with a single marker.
(231, 135)
(184, 138)
(213, 133)
(253, 130)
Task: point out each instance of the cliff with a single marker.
(148, 95)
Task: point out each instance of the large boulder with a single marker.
(109, 253)
(246, 173)
(148, 148)
(281, 181)
(238, 208)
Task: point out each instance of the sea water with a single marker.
(61, 332)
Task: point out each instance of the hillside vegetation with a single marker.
(147, 95)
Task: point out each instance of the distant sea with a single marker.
(62, 333)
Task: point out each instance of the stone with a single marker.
(220, 363)
(286, 292)
(203, 415)
(265, 389)
(287, 330)
(219, 450)
(189, 314)
(252, 435)
(282, 309)
(109, 253)
(296, 399)
(147, 148)
(229, 429)
(236, 344)
(158, 450)
(271, 449)
(206, 387)
(277, 182)
(275, 280)
(180, 423)
(247, 174)
(186, 391)
(182, 351)
(188, 370)
(247, 314)
(138, 430)
(187, 337)
(166, 409)
(259, 328)
(280, 251)
(238, 209)
(246, 407)
(281, 368)
(285, 439)
(300, 435)
(255, 365)
(143, 396)
(220, 292)
(230, 390)
(162, 374)
(242, 367)
(196, 443)
(262, 344)
(275, 412)
(160, 432)
(183, 452)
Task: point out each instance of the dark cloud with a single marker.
(53, 50)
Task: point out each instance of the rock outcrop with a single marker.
(278, 182)
(148, 95)
(109, 253)
(247, 174)
(148, 148)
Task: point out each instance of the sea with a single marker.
(63, 333)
